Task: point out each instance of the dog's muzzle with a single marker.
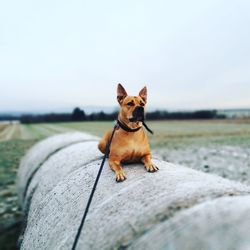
(138, 114)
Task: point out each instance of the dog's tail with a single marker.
(103, 142)
(101, 146)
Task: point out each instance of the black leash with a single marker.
(148, 129)
(94, 187)
(117, 125)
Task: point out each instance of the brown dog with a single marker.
(130, 142)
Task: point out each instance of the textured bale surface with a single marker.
(223, 223)
(40, 152)
(123, 214)
(59, 166)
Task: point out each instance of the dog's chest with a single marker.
(132, 149)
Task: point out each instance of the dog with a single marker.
(130, 142)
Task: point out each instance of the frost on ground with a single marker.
(232, 162)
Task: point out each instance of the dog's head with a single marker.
(132, 107)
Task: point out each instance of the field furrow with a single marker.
(4, 132)
(3, 125)
(58, 128)
(27, 133)
(38, 131)
(12, 131)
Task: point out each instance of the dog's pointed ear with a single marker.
(121, 93)
(143, 94)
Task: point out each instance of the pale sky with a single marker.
(61, 54)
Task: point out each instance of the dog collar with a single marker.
(126, 128)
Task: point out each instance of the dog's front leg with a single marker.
(148, 163)
(115, 165)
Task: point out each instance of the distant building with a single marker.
(235, 113)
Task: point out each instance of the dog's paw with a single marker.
(151, 168)
(120, 176)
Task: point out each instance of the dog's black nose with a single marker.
(138, 114)
(140, 109)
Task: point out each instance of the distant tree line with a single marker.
(9, 117)
(79, 115)
(200, 114)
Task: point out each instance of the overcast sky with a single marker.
(61, 54)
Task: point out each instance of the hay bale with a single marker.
(126, 214)
(222, 223)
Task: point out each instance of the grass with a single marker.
(185, 133)
(214, 130)
(2, 127)
(10, 154)
(95, 128)
(15, 140)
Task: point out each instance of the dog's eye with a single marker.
(130, 104)
(142, 104)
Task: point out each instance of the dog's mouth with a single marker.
(136, 119)
(137, 115)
